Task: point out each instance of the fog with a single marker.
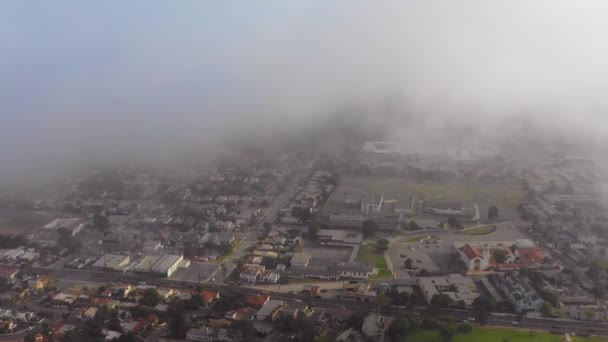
(149, 79)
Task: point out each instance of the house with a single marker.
(8, 272)
(373, 325)
(210, 297)
(518, 291)
(250, 273)
(241, 314)
(42, 282)
(257, 301)
(354, 270)
(269, 276)
(270, 310)
(8, 325)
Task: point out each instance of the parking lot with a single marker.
(439, 256)
(323, 256)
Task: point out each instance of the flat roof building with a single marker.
(114, 262)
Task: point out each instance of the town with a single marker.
(371, 245)
(303, 171)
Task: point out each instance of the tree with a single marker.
(409, 263)
(483, 305)
(150, 298)
(369, 228)
(244, 330)
(403, 325)
(447, 331)
(440, 300)
(92, 331)
(100, 222)
(382, 245)
(302, 214)
(177, 322)
(454, 222)
(382, 300)
(413, 225)
(546, 309)
(492, 213)
(465, 328)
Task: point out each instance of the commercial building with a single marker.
(354, 270)
(360, 292)
(456, 286)
(300, 259)
(112, 262)
(339, 237)
(161, 265)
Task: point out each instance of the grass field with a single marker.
(369, 253)
(479, 230)
(497, 335)
(496, 193)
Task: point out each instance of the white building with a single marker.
(373, 325)
(475, 259)
(372, 203)
(445, 208)
(455, 286)
(354, 270)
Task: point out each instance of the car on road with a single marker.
(30, 328)
(515, 323)
(555, 326)
(472, 319)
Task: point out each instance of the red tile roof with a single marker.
(7, 271)
(535, 254)
(257, 300)
(209, 295)
(470, 251)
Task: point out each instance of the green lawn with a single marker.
(489, 335)
(369, 253)
(497, 193)
(479, 230)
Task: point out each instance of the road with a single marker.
(496, 319)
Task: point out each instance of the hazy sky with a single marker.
(148, 77)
